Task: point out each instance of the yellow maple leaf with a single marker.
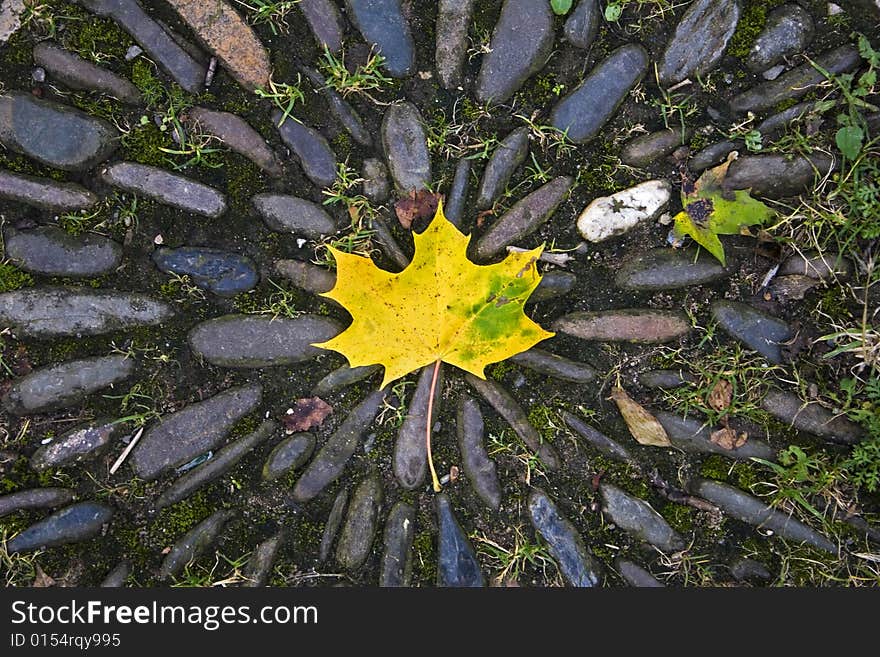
(442, 307)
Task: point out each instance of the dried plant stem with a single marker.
(428, 427)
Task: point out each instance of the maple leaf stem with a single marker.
(434, 479)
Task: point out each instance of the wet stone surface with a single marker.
(224, 274)
(55, 252)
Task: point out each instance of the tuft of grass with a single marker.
(362, 80)
(522, 559)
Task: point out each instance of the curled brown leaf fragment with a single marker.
(306, 414)
(728, 438)
(643, 426)
(41, 579)
(721, 395)
(420, 204)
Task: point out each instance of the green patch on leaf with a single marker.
(561, 7)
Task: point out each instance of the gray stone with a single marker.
(344, 113)
(584, 111)
(158, 43)
(75, 523)
(56, 135)
(117, 577)
(376, 186)
(331, 528)
(51, 251)
(252, 341)
(753, 511)
(410, 452)
(237, 135)
(665, 379)
(65, 384)
(797, 82)
(359, 529)
(574, 560)
(288, 455)
(194, 543)
(454, 205)
(195, 429)
(788, 31)
(520, 46)
(553, 284)
(317, 159)
(509, 409)
(221, 463)
(77, 73)
(777, 176)
(45, 194)
(314, 279)
(457, 564)
(453, 19)
(583, 24)
(55, 311)
(523, 219)
(34, 498)
(665, 269)
(812, 418)
(777, 123)
(259, 566)
(406, 147)
(699, 40)
(758, 330)
(639, 518)
(383, 24)
(225, 274)
(555, 366)
(817, 266)
(644, 150)
(388, 244)
(628, 325)
(610, 448)
(289, 214)
(510, 153)
(478, 467)
(635, 575)
(166, 187)
(712, 155)
(694, 436)
(396, 568)
(329, 463)
(76, 446)
(342, 377)
(747, 569)
(324, 21)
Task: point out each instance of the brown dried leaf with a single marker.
(643, 426)
(728, 438)
(721, 395)
(420, 204)
(42, 580)
(306, 414)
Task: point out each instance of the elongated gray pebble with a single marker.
(509, 409)
(65, 384)
(383, 23)
(317, 159)
(457, 564)
(635, 575)
(116, 578)
(195, 542)
(237, 135)
(195, 429)
(639, 519)
(396, 568)
(478, 467)
(523, 219)
(344, 113)
(51, 251)
(711, 155)
(453, 19)
(289, 214)
(331, 527)
(553, 284)
(220, 272)
(646, 149)
(582, 24)
(777, 176)
(376, 186)
(314, 279)
(406, 147)
(76, 445)
(410, 451)
(574, 560)
(510, 153)
(665, 379)
(666, 269)
(259, 566)
(597, 439)
(753, 511)
(556, 366)
(72, 524)
(758, 330)
(221, 463)
(359, 530)
(788, 31)
(343, 377)
(626, 325)
(45, 193)
(812, 418)
(77, 73)
(331, 459)
(165, 187)
(457, 198)
(251, 341)
(694, 436)
(290, 454)
(324, 20)
(34, 498)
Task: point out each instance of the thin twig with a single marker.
(434, 478)
(127, 451)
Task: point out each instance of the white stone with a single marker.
(10, 18)
(616, 214)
